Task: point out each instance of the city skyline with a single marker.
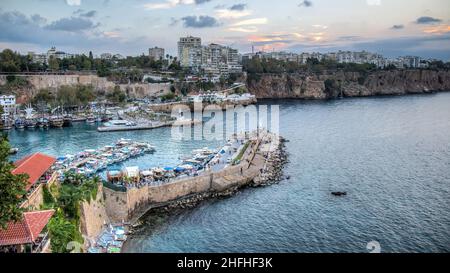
(296, 26)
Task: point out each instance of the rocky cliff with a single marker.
(55, 82)
(348, 84)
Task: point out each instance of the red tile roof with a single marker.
(27, 230)
(35, 166)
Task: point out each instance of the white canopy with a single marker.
(132, 171)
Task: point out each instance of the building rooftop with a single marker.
(35, 166)
(27, 230)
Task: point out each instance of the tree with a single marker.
(53, 63)
(62, 232)
(117, 96)
(12, 187)
(9, 61)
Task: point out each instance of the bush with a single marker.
(62, 232)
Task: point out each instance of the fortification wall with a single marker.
(54, 82)
(93, 215)
(116, 205)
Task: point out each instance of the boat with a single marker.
(56, 122)
(30, 123)
(339, 193)
(7, 125)
(19, 124)
(78, 119)
(91, 119)
(43, 123)
(13, 151)
(67, 120)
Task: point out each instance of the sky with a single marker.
(129, 27)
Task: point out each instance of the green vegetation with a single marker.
(13, 83)
(168, 97)
(260, 66)
(12, 187)
(14, 62)
(62, 232)
(117, 96)
(241, 153)
(332, 88)
(129, 68)
(66, 199)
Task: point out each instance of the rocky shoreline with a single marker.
(338, 84)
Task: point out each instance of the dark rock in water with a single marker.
(339, 193)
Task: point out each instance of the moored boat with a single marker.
(43, 123)
(56, 122)
(67, 121)
(30, 123)
(19, 124)
(91, 119)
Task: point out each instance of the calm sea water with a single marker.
(391, 154)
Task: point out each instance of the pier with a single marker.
(141, 127)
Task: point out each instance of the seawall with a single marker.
(125, 206)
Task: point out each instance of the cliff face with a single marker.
(348, 84)
(54, 82)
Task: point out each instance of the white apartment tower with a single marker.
(190, 52)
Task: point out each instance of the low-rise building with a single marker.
(28, 235)
(38, 167)
(8, 103)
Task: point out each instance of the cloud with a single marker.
(255, 21)
(173, 3)
(398, 27)
(36, 18)
(427, 20)
(73, 32)
(199, 21)
(198, 2)
(73, 2)
(232, 14)
(239, 7)
(89, 14)
(436, 46)
(439, 30)
(250, 29)
(306, 4)
(72, 24)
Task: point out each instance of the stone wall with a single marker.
(176, 190)
(54, 82)
(35, 199)
(93, 215)
(116, 204)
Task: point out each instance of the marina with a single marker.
(90, 162)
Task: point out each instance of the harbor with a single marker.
(91, 161)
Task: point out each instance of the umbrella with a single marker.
(168, 169)
(180, 169)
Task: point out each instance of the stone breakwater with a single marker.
(271, 172)
(261, 164)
